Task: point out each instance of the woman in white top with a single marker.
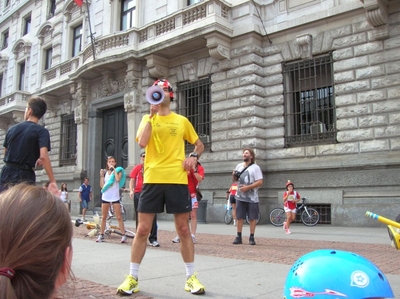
(111, 180)
(64, 194)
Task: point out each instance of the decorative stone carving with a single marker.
(304, 44)
(45, 34)
(22, 48)
(219, 46)
(377, 16)
(18, 116)
(4, 123)
(131, 82)
(15, 16)
(3, 62)
(130, 102)
(158, 66)
(80, 112)
(190, 71)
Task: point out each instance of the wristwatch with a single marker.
(196, 155)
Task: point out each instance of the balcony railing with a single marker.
(125, 40)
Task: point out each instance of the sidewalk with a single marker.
(226, 270)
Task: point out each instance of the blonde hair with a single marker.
(36, 231)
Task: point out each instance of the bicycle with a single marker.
(111, 212)
(229, 217)
(309, 216)
(95, 229)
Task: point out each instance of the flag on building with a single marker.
(79, 2)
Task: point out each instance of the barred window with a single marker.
(195, 103)
(309, 102)
(68, 140)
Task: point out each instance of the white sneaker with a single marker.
(194, 239)
(234, 222)
(176, 239)
(155, 244)
(123, 239)
(100, 238)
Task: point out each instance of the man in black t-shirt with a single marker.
(26, 144)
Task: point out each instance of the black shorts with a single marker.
(249, 208)
(110, 202)
(232, 199)
(175, 197)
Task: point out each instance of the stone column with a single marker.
(79, 94)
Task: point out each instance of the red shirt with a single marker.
(192, 181)
(137, 175)
(290, 203)
(233, 188)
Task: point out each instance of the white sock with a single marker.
(189, 269)
(134, 270)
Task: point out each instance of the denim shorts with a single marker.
(85, 204)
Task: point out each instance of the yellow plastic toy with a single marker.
(393, 228)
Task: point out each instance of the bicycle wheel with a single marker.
(258, 219)
(277, 216)
(123, 214)
(311, 218)
(228, 217)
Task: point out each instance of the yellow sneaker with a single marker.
(129, 286)
(194, 286)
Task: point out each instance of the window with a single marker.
(310, 115)
(77, 42)
(190, 2)
(21, 77)
(49, 58)
(1, 85)
(68, 140)
(7, 3)
(27, 25)
(127, 14)
(5, 39)
(52, 9)
(195, 104)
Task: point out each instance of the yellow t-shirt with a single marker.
(164, 158)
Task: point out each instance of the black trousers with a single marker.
(154, 228)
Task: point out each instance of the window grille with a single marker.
(310, 115)
(195, 103)
(68, 140)
(324, 211)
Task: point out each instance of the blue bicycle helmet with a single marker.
(335, 274)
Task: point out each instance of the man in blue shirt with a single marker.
(85, 196)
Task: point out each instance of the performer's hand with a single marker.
(54, 189)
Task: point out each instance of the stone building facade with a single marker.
(312, 86)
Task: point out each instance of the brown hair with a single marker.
(36, 232)
(252, 153)
(108, 159)
(38, 106)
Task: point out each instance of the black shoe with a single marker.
(238, 240)
(251, 241)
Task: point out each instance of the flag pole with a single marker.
(90, 31)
